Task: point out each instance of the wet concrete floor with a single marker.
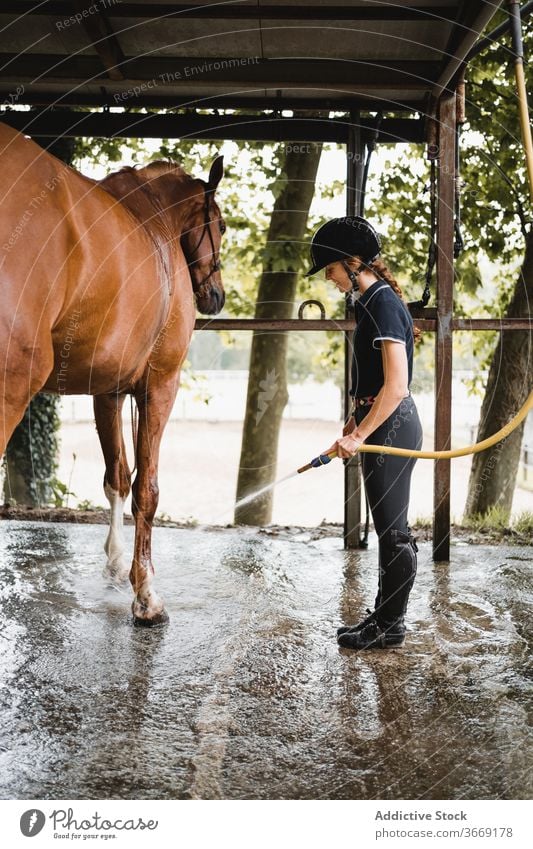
(246, 694)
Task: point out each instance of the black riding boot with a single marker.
(385, 627)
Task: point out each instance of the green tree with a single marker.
(506, 232)
(267, 394)
(498, 234)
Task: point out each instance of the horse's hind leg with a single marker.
(117, 480)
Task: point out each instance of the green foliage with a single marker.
(423, 522)
(494, 190)
(495, 213)
(59, 493)
(494, 200)
(523, 523)
(98, 150)
(423, 366)
(32, 450)
(87, 506)
(284, 255)
(495, 519)
(191, 380)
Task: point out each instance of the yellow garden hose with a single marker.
(516, 33)
(528, 405)
(458, 452)
(435, 455)
(524, 121)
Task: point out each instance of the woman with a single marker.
(383, 413)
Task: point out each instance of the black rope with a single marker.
(432, 250)
(458, 243)
(370, 148)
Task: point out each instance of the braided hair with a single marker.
(384, 273)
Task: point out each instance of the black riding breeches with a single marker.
(387, 482)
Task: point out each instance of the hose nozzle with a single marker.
(321, 460)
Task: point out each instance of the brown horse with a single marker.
(99, 284)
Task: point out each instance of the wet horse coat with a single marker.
(100, 282)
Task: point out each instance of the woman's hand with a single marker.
(346, 446)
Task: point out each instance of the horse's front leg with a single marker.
(155, 406)
(117, 480)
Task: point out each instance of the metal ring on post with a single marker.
(305, 304)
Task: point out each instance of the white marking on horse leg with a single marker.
(116, 569)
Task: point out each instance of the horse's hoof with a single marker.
(158, 621)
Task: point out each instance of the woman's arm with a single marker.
(395, 372)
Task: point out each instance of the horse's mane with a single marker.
(132, 187)
(166, 166)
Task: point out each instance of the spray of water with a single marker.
(248, 498)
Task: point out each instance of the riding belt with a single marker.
(366, 401)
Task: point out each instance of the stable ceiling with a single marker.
(394, 55)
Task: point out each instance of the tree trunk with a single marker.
(493, 473)
(30, 460)
(267, 381)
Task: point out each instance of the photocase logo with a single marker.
(32, 822)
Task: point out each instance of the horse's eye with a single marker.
(222, 228)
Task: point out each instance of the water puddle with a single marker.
(245, 694)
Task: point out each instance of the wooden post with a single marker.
(355, 155)
(443, 339)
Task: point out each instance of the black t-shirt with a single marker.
(380, 314)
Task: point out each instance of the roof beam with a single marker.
(156, 71)
(248, 11)
(102, 38)
(465, 34)
(274, 99)
(55, 124)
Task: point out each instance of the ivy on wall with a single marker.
(30, 461)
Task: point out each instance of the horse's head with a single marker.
(190, 214)
(200, 241)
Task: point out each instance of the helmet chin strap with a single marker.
(351, 296)
(353, 275)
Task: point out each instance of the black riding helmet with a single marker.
(342, 238)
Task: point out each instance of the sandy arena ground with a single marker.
(198, 473)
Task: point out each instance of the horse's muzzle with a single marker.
(211, 302)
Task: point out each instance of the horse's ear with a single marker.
(216, 173)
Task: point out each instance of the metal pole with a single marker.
(443, 339)
(496, 33)
(518, 50)
(355, 156)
